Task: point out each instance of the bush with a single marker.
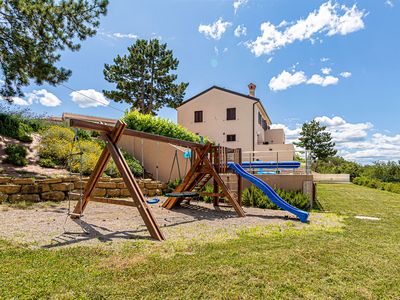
(13, 126)
(16, 155)
(384, 171)
(132, 162)
(46, 163)
(90, 154)
(56, 144)
(172, 185)
(156, 125)
(338, 165)
(256, 198)
(378, 184)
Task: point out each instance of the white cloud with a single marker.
(326, 71)
(270, 59)
(119, 35)
(354, 141)
(238, 3)
(43, 97)
(330, 19)
(240, 30)
(89, 98)
(214, 30)
(324, 59)
(389, 3)
(225, 50)
(323, 81)
(345, 74)
(20, 101)
(286, 80)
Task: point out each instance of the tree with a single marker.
(143, 78)
(316, 139)
(32, 34)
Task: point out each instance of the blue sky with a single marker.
(332, 60)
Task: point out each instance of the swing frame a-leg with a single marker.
(111, 150)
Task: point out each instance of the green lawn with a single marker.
(360, 260)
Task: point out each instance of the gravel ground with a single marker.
(46, 224)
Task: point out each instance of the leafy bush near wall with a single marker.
(172, 185)
(16, 155)
(377, 184)
(156, 125)
(384, 171)
(254, 197)
(338, 165)
(57, 144)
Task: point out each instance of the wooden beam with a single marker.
(116, 201)
(135, 191)
(130, 132)
(115, 135)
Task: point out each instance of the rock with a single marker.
(44, 188)
(3, 197)
(121, 185)
(150, 185)
(117, 180)
(125, 193)
(24, 197)
(23, 181)
(74, 196)
(66, 186)
(35, 188)
(70, 179)
(99, 192)
(107, 185)
(53, 196)
(10, 189)
(159, 192)
(151, 193)
(78, 185)
(105, 179)
(141, 184)
(145, 191)
(50, 180)
(147, 180)
(4, 180)
(113, 192)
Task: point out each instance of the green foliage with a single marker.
(338, 165)
(377, 184)
(208, 188)
(16, 155)
(14, 126)
(32, 35)
(143, 78)
(384, 171)
(133, 163)
(254, 197)
(315, 138)
(172, 185)
(56, 144)
(148, 123)
(46, 163)
(90, 154)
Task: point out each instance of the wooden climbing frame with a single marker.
(209, 162)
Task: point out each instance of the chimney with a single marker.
(252, 89)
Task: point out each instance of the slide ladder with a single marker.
(269, 192)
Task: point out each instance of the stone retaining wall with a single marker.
(57, 189)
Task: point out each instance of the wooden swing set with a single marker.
(208, 162)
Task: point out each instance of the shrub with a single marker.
(133, 163)
(256, 198)
(56, 144)
(46, 163)
(338, 165)
(90, 154)
(13, 126)
(16, 155)
(173, 184)
(156, 125)
(208, 188)
(378, 184)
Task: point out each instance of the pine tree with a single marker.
(32, 35)
(317, 140)
(143, 77)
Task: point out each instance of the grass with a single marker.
(361, 261)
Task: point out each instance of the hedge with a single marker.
(378, 184)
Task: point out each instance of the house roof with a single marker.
(228, 91)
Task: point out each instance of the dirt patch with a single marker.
(49, 227)
(32, 169)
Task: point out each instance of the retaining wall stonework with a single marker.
(58, 189)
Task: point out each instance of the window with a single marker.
(198, 116)
(231, 137)
(259, 118)
(231, 113)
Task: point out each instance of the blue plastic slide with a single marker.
(269, 192)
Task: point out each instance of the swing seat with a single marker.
(182, 194)
(153, 201)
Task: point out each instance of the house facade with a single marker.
(235, 120)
